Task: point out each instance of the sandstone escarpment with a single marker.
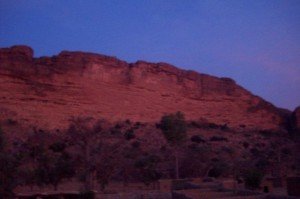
(48, 91)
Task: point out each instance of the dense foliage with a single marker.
(174, 127)
(98, 152)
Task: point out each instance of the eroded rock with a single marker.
(48, 91)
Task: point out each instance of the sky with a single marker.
(256, 43)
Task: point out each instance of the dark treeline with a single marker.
(98, 152)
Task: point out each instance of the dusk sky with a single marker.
(254, 42)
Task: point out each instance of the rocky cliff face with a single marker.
(48, 91)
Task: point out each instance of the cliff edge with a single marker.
(48, 91)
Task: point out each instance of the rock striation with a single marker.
(48, 91)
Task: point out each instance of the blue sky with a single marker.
(257, 43)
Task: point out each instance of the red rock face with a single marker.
(48, 91)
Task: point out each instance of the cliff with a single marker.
(48, 91)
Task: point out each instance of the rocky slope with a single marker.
(296, 120)
(48, 91)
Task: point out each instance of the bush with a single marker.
(147, 169)
(115, 131)
(218, 139)
(197, 139)
(163, 148)
(87, 195)
(127, 121)
(129, 134)
(262, 164)
(224, 127)
(136, 144)
(286, 151)
(242, 125)
(253, 178)
(195, 124)
(137, 125)
(213, 126)
(228, 150)
(218, 169)
(255, 151)
(118, 126)
(268, 133)
(11, 122)
(246, 145)
(57, 147)
(174, 127)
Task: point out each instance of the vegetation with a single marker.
(195, 161)
(218, 169)
(253, 178)
(148, 169)
(174, 129)
(94, 156)
(129, 134)
(8, 169)
(218, 139)
(197, 139)
(98, 152)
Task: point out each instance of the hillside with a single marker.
(94, 120)
(48, 91)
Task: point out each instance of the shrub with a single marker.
(137, 125)
(87, 195)
(286, 151)
(195, 124)
(253, 178)
(127, 121)
(228, 150)
(224, 127)
(199, 148)
(136, 144)
(118, 126)
(218, 169)
(115, 131)
(262, 164)
(218, 139)
(267, 133)
(197, 139)
(163, 148)
(173, 127)
(246, 145)
(57, 147)
(11, 122)
(147, 167)
(129, 134)
(213, 126)
(255, 151)
(242, 125)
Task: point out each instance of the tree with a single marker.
(8, 169)
(107, 162)
(95, 157)
(147, 166)
(174, 128)
(53, 166)
(84, 136)
(195, 161)
(253, 178)
(45, 160)
(218, 169)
